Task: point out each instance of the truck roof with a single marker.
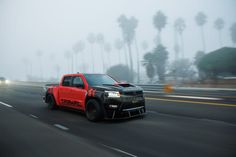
(80, 74)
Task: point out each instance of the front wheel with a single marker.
(93, 110)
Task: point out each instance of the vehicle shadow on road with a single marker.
(103, 121)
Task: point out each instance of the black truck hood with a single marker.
(118, 87)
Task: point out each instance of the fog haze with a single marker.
(53, 27)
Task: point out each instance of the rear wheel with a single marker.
(93, 110)
(51, 102)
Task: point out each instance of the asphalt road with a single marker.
(183, 123)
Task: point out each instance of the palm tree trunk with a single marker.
(40, 67)
(119, 56)
(72, 63)
(92, 57)
(151, 80)
(130, 59)
(220, 38)
(68, 65)
(76, 62)
(182, 45)
(108, 63)
(102, 55)
(159, 38)
(82, 62)
(176, 42)
(203, 39)
(126, 57)
(137, 52)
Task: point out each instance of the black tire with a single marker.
(93, 111)
(51, 102)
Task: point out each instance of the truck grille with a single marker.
(131, 105)
(133, 93)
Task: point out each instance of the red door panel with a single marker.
(64, 95)
(78, 96)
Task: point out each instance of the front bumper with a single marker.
(127, 108)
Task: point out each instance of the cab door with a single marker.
(65, 91)
(78, 93)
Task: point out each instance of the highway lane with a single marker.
(171, 128)
(21, 136)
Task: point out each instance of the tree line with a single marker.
(155, 61)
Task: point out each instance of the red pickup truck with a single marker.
(99, 96)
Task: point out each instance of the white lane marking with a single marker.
(61, 127)
(119, 150)
(31, 115)
(192, 97)
(5, 104)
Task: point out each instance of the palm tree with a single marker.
(198, 56)
(138, 61)
(39, 54)
(144, 46)
(219, 25)
(159, 21)
(92, 39)
(179, 28)
(160, 56)
(128, 27)
(119, 45)
(201, 20)
(107, 48)
(78, 47)
(100, 41)
(126, 56)
(148, 62)
(176, 44)
(233, 33)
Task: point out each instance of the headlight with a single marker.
(112, 94)
(7, 81)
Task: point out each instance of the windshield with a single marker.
(99, 79)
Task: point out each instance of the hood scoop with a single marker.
(124, 85)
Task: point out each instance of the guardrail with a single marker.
(146, 87)
(152, 87)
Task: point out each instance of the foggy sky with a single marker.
(54, 26)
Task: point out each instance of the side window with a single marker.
(66, 81)
(77, 82)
